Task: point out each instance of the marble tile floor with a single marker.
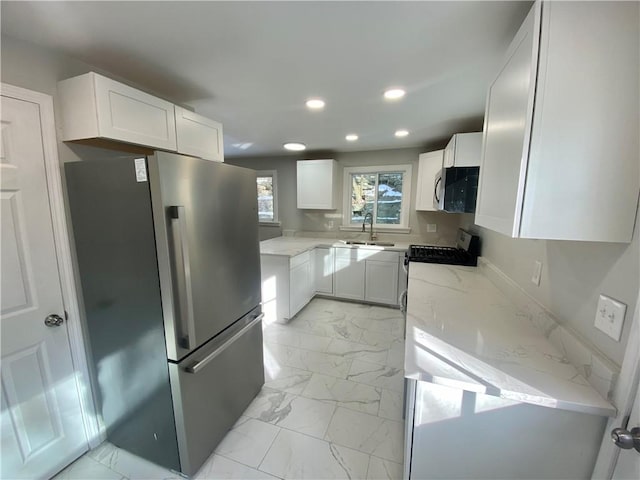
(331, 406)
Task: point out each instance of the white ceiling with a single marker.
(252, 65)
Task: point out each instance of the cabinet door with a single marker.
(468, 149)
(428, 167)
(311, 284)
(381, 282)
(349, 274)
(324, 271)
(198, 136)
(275, 272)
(299, 287)
(127, 114)
(584, 165)
(450, 153)
(507, 130)
(316, 184)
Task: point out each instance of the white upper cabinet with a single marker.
(561, 145)
(463, 150)
(198, 136)
(429, 165)
(317, 184)
(94, 106)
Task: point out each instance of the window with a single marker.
(384, 192)
(267, 196)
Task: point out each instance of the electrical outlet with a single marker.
(432, 227)
(610, 316)
(537, 270)
(330, 224)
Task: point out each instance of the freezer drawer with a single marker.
(213, 386)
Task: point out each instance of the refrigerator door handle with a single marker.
(199, 365)
(183, 275)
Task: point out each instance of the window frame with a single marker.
(274, 182)
(405, 169)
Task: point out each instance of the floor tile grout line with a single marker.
(324, 373)
(385, 460)
(268, 450)
(337, 402)
(387, 350)
(314, 438)
(367, 453)
(297, 431)
(305, 331)
(345, 378)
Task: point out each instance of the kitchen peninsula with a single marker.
(489, 395)
(295, 269)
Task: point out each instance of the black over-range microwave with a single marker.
(456, 189)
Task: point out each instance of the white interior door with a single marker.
(628, 464)
(41, 422)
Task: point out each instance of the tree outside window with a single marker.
(267, 196)
(379, 193)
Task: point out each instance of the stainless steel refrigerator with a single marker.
(168, 255)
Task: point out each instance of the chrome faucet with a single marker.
(364, 221)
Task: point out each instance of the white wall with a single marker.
(319, 221)
(574, 274)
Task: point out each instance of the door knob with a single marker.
(53, 320)
(626, 439)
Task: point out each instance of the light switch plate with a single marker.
(432, 227)
(610, 316)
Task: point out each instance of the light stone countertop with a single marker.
(292, 246)
(463, 332)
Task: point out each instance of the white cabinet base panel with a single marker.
(465, 435)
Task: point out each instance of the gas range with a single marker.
(464, 253)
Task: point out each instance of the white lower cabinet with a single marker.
(299, 287)
(323, 263)
(349, 274)
(289, 283)
(381, 281)
(369, 275)
(438, 415)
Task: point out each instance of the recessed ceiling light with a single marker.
(315, 104)
(401, 133)
(352, 137)
(296, 147)
(394, 94)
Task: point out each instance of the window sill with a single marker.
(269, 224)
(349, 228)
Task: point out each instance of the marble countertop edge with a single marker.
(457, 338)
(293, 246)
